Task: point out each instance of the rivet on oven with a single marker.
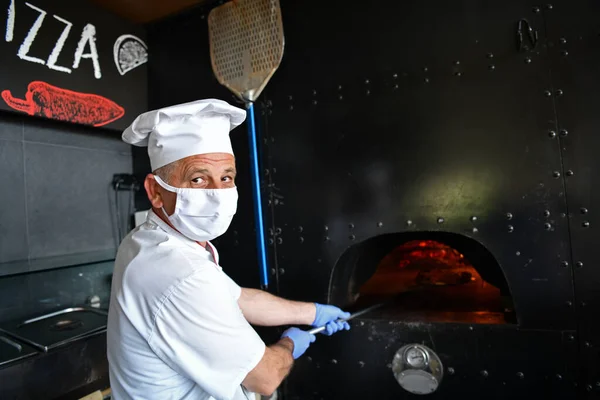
(563, 215)
(327, 238)
(569, 303)
(587, 344)
(341, 97)
(379, 224)
(473, 218)
(409, 222)
(588, 388)
(340, 87)
(300, 229)
(559, 377)
(315, 102)
(457, 62)
(583, 210)
(279, 240)
(570, 173)
(597, 384)
(425, 69)
(301, 239)
(426, 80)
(319, 260)
(556, 174)
(491, 67)
(281, 271)
(309, 358)
(564, 53)
(564, 133)
(585, 224)
(489, 55)
(271, 242)
(536, 10)
(548, 226)
(362, 323)
(549, 7)
(518, 253)
(278, 231)
(552, 134)
(367, 81)
(583, 304)
(389, 366)
(471, 328)
(475, 230)
(396, 86)
(458, 73)
(571, 338)
(361, 363)
(334, 361)
(451, 371)
(511, 229)
(547, 93)
(351, 226)
(564, 264)
(520, 375)
(273, 271)
(395, 76)
(562, 40)
(527, 60)
(579, 264)
(558, 92)
(440, 220)
(484, 373)
(546, 213)
(368, 92)
(351, 237)
(509, 216)
(314, 92)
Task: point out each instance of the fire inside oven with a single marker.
(437, 277)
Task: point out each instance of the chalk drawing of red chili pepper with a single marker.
(43, 99)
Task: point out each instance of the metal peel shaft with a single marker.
(314, 331)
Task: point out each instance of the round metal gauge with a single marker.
(416, 357)
(417, 369)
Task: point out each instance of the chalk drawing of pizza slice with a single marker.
(45, 100)
(130, 52)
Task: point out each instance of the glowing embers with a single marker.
(435, 283)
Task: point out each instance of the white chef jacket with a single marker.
(175, 330)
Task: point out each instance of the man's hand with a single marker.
(301, 340)
(328, 315)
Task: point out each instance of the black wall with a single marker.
(58, 210)
(427, 112)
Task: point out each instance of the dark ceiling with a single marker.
(144, 11)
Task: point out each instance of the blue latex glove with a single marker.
(301, 339)
(328, 315)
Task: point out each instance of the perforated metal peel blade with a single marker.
(246, 48)
(246, 45)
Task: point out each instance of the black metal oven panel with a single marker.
(478, 362)
(415, 119)
(575, 54)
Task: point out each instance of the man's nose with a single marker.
(215, 185)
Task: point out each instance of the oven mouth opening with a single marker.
(428, 276)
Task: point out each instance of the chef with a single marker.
(178, 326)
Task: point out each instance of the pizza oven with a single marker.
(424, 276)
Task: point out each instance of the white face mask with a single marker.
(201, 214)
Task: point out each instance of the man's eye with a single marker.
(227, 179)
(197, 180)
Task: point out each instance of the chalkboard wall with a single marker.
(70, 61)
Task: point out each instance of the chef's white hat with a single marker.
(184, 130)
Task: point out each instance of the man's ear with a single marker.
(152, 191)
